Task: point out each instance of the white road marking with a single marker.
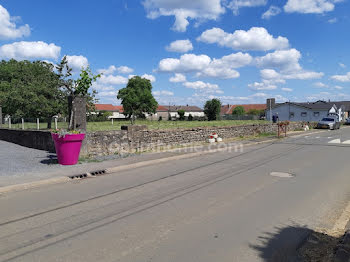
(346, 142)
(281, 174)
(335, 141)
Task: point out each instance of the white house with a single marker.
(308, 112)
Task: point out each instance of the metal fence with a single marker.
(34, 123)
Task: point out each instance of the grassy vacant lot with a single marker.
(107, 125)
(104, 126)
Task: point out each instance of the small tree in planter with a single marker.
(68, 142)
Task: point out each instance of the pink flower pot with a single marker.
(68, 148)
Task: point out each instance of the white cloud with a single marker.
(198, 10)
(186, 63)
(29, 50)
(107, 71)
(224, 67)
(125, 70)
(111, 69)
(342, 78)
(310, 6)
(149, 77)
(180, 46)
(284, 60)
(272, 11)
(77, 62)
(287, 62)
(342, 65)
(163, 93)
(235, 5)
(320, 84)
(8, 28)
(205, 66)
(333, 20)
(286, 89)
(112, 80)
(338, 87)
(204, 87)
(258, 86)
(255, 39)
(178, 78)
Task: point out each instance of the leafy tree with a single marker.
(212, 109)
(30, 90)
(238, 111)
(137, 98)
(181, 113)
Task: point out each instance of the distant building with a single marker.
(117, 111)
(307, 111)
(195, 111)
(163, 111)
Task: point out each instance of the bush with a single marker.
(190, 118)
(181, 113)
(238, 111)
(160, 118)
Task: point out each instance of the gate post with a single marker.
(0, 117)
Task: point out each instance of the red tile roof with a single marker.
(120, 108)
(162, 108)
(227, 109)
(106, 107)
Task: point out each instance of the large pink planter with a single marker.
(68, 148)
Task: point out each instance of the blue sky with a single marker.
(240, 51)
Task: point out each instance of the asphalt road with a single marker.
(224, 206)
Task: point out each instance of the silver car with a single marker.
(329, 123)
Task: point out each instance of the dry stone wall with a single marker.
(136, 139)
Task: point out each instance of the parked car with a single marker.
(329, 123)
(347, 121)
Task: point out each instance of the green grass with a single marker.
(107, 125)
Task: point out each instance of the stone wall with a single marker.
(121, 141)
(29, 138)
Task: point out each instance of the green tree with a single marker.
(137, 98)
(238, 111)
(181, 114)
(30, 90)
(212, 109)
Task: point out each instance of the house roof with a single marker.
(318, 105)
(227, 109)
(187, 108)
(106, 107)
(162, 108)
(120, 108)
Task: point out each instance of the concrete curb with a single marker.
(35, 184)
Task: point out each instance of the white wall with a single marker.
(284, 111)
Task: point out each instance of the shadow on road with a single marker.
(298, 243)
(50, 160)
